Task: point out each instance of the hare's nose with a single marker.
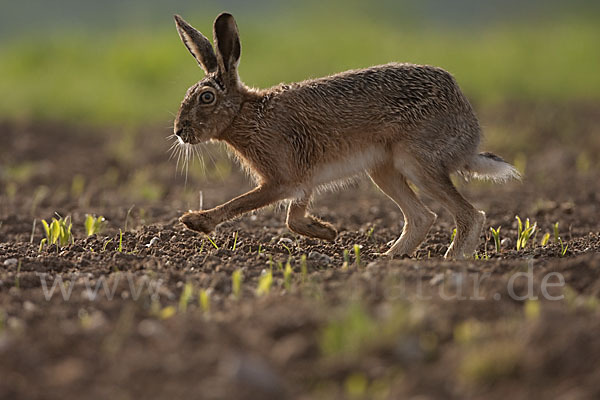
(178, 132)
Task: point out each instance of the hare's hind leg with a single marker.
(417, 217)
(299, 221)
(469, 221)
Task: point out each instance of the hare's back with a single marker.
(383, 91)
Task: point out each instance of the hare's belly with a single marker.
(348, 166)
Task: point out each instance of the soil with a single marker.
(511, 323)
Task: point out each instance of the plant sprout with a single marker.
(303, 267)
(453, 235)
(57, 232)
(186, 295)
(545, 239)
(525, 231)
(346, 256)
(235, 238)
(287, 275)
(496, 236)
(212, 242)
(556, 235)
(93, 224)
(264, 283)
(357, 254)
(236, 283)
(204, 300)
(120, 248)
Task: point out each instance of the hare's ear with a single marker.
(227, 43)
(197, 44)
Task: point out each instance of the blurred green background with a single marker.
(120, 63)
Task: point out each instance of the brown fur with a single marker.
(397, 122)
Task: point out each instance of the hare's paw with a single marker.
(312, 227)
(200, 221)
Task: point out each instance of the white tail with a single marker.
(490, 166)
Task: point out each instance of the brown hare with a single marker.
(399, 123)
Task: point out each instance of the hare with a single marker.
(399, 123)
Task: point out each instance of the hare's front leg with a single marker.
(300, 222)
(206, 221)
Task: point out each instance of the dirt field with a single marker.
(153, 313)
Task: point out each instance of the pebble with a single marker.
(11, 262)
(153, 241)
(319, 257)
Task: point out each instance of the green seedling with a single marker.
(105, 244)
(545, 239)
(357, 255)
(303, 267)
(260, 250)
(287, 276)
(235, 238)
(563, 247)
(556, 235)
(93, 224)
(264, 284)
(57, 232)
(453, 235)
(370, 232)
(525, 231)
(120, 248)
(204, 300)
(212, 242)
(496, 236)
(270, 262)
(346, 256)
(236, 283)
(186, 295)
(287, 248)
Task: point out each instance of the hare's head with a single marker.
(210, 105)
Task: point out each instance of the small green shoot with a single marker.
(120, 248)
(563, 247)
(235, 238)
(287, 248)
(186, 295)
(236, 283)
(525, 231)
(106, 244)
(167, 312)
(260, 250)
(357, 255)
(270, 262)
(264, 283)
(204, 300)
(303, 267)
(453, 235)
(496, 236)
(212, 242)
(556, 233)
(93, 224)
(287, 276)
(346, 256)
(57, 232)
(545, 239)
(370, 232)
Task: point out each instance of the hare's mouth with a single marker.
(186, 136)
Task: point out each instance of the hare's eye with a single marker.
(207, 97)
